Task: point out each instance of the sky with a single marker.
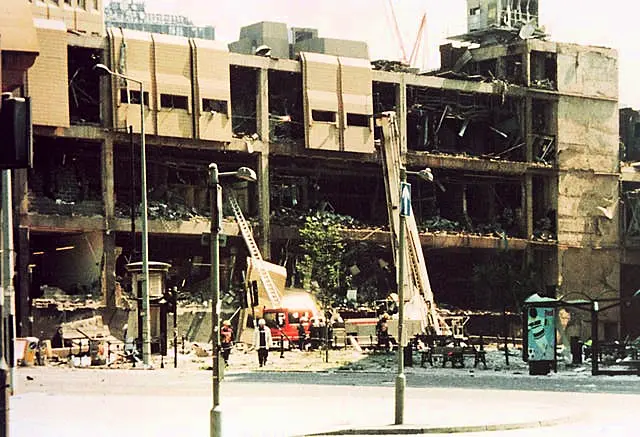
(610, 24)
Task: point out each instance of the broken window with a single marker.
(474, 11)
(65, 180)
(323, 116)
(631, 214)
(172, 101)
(486, 68)
(384, 97)
(544, 214)
(243, 100)
(132, 97)
(476, 203)
(629, 135)
(302, 186)
(454, 122)
(361, 120)
(215, 106)
(286, 116)
(513, 71)
(542, 128)
(544, 70)
(84, 86)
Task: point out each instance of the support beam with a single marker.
(528, 134)
(109, 254)
(262, 104)
(401, 113)
(527, 207)
(21, 238)
(24, 319)
(264, 204)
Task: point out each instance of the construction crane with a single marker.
(419, 301)
(413, 57)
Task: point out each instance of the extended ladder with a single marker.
(417, 278)
(256, 256)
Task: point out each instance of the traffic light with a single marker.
(244, 298)
(170, 297)
(15, 132)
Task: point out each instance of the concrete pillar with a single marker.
(526, 129)
(264, 203)
(22, 259)
(262, 104)
(527, 207)
(401, 115)
(108, 199)
(526, 66)
(23, 283)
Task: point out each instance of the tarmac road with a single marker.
(70, 402)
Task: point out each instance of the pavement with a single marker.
(301, 395)
(172, 403)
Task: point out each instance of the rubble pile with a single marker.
(161, 210)
(543, 230)
(293, 217)
(393, 66)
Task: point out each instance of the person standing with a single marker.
(302, 333)
(262, 342)
(226, 339)
(382, 331)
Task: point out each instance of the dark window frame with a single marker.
(174, 101)
(215, 105)
(132, 97)
(320, 116)
(358, 120)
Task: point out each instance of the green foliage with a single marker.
(503, 282)
(323, 252)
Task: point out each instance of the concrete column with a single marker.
(526, 129)
(401, 112)
(527, 207)
(21, 242)
(108, 199)
(23, 283)
(264, 203)
(526, 66)
(262, 105)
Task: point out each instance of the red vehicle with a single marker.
(284, 323)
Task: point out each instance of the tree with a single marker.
(323, 252)
(503, 282)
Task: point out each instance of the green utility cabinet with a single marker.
(539, 334)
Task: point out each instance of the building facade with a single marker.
(522, 137)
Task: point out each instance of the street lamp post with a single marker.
(146, 328)
(215, 198)
(404, 211)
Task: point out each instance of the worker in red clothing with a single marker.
(226, 340)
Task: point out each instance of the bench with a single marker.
(455, 353)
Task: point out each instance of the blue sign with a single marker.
(405, 199)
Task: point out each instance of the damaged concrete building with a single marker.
(521, 134)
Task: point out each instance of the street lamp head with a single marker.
(103, 69)
(247, 174)
(426, 174)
